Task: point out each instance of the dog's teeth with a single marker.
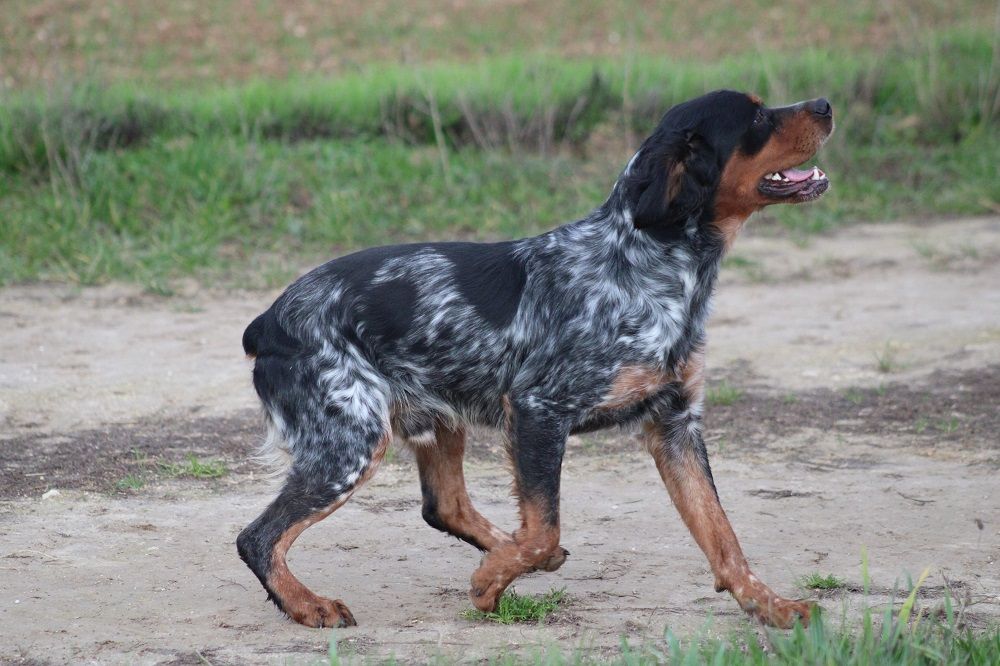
(816, 175)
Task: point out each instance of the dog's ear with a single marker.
(671, 181)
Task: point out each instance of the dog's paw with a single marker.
(554, 561)
(321, 612)
(781, 613)
(486, 588)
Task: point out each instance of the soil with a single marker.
(854, 387)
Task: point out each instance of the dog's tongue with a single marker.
(797, 175)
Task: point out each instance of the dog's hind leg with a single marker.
(337, 424)
(675, 441)
(536, 440)
(447, 506)
(310, 494)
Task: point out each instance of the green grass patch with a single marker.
(886, 361)
(225, 204)
(817, 581)
(723, 394)
(880, 639)
(130, 482)
(936, 91)
(751, 269)
(514, 608)
(855, 396)
(252, 182)
(194, 468)
(948, 425)
(899, 635)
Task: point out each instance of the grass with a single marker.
(195, 468)
(885, 361)
(854, 395)
(948, 425)
(751, 269)
(896, 642)
(723, 394)
(248, 183)
(176, 43)
(902, 634)
(514, 608)
(817, 581)
(893, 637)
(130, 482)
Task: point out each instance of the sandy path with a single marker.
(799, 317)
(152, 576)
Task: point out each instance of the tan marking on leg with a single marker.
(692, 376)
(441, 468)
(301, 604)
(696, 501)
(535, 546)
(632, 384)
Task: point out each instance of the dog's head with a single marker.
(720, 157)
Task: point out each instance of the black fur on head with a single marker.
(676, 172)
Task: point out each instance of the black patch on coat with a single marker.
(389, 309)
(490, 278)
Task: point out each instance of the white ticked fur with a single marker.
(274, 455)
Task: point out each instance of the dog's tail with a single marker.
(266, 335)
(266, 341)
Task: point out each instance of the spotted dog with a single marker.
(598, 323)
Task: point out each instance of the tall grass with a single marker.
(941, 89)
(149, 185)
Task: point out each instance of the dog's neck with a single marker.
(702, 238)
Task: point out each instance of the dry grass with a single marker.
(179, 41)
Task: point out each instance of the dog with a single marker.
(597, 323)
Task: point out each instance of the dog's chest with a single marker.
(663, 317)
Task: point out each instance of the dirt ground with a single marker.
(854, 391)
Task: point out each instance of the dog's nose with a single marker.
(821, 107)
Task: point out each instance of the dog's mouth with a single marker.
(796, 184)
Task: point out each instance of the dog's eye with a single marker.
(759, 118)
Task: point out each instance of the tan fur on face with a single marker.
(794, 141)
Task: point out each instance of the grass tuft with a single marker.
(130, 482)
(514, 608)
(723, 394)
(886, 362)
(195, 468)
(817, 581)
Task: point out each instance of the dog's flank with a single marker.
(597, 323)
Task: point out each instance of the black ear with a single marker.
(671, 181)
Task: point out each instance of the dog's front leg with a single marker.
(536, 438)
(673, 436)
